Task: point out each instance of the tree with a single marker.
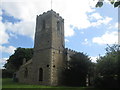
(77, 70)
(107, 68)
(113, 2)
(6, 74)
(16, 60)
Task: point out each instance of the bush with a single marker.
(106, 82)
(6, 74)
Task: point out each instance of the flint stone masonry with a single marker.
(48, 61)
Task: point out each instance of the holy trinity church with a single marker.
(50, 54)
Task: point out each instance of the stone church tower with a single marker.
(50, 55)
(48, 48)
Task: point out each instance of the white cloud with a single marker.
(95, 16)
(107, 38)
(66, 40)
(117, 25)
(101, 21)
(9, 49)
(23, 28)
(25, 10)
(73, 11)
(3, 35)
(69, 31)
(0, 11)
(2, 62)
(12, 35)
(4, 38)
(85, 42)
(94, 58)
(113, 26)
(82, 32)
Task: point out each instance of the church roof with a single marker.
(27, 63)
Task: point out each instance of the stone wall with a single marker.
(42, 59)
(22, 77)
(69, 53)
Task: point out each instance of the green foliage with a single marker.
(117, 4)
(99, 4)
(106, 82)
(6, 74)
(76, 70)
(113, 2)
(107, 67)
(16, 60)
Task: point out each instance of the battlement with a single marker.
(51, 12)
(70, 51)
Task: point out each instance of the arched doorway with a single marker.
(40, 74)
(26, 73)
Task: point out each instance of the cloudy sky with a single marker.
(87, 29)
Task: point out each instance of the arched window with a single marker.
(58, 25)
(26, 73)
(43, 24)
(40, 74)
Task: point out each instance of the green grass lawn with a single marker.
(7, 83)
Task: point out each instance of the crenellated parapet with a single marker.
(70, 51)
(51, 12)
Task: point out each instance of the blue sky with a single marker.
(87, 29)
